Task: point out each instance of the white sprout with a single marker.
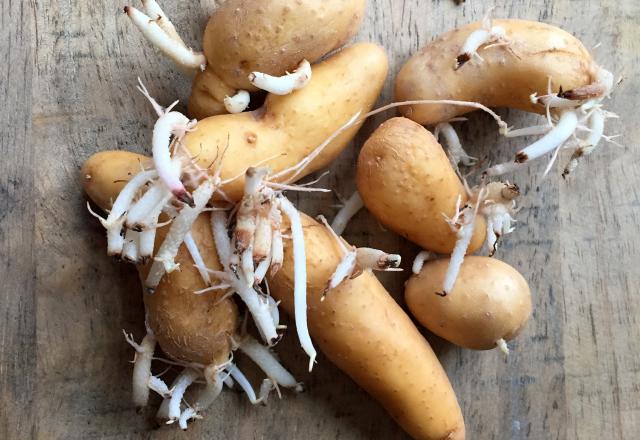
(273, 308)
(454, 146)
(196, 256)
(259, 309)
(283, 85)
(142, 367)
(221, 236)
(502, 345)
(164, 260)
(116, 218)
(596, 127)
(175, 50)
(480, 37)
(300, 278)
(463, 222)
(420, 259)
(268, 363)
(205, 397)
(346, 213)
(563, 130)
(344, 269)
(154, 11)
(375, 259)
(238, 102)
(179, 386)
(242, 381)
(159, 386)
(130, 250)
(277, 250)
(176, 124)
(187, 415)
(261, 270)
(145, 211)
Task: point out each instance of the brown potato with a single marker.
(490, 301)
(362, 330)
(406, 181)
(188, 327)
(506, 78)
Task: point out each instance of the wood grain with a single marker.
(68, 91)
(17, 211)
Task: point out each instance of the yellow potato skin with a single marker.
(188, 327)
(289, 127)
(243, 36)
(363, 331)
(490, 301)
(207, 95)
(406, 181)
(504, 79)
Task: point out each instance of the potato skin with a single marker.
(406, 181)
(363, 331)
(188, 327)
(503, 80)
(243, 36)
(289, 127)
(490, 300)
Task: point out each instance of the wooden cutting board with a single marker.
(68, 82)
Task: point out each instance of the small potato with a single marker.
(507, 77)
(406, 181)
(243, 36)
(491, 301)
(188, 327)
(362, 330)
(288, 128)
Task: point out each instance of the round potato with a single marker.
(188, 327)
(490, 301)
(406, 181)
(509, 74)
(244, 36)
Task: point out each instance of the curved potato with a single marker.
(506, 78)
(406, 181)
(272, 37)
(289, 127)
(188, 327)
(362, 330)
(490, 301)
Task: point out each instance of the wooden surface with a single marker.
(68, 80)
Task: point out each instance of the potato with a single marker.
(506, 78)
(289, 127)
(244, 36)
(406, 181)
(188, 327)
(362, 330)
(490, 301)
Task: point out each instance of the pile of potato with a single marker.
(405, 178)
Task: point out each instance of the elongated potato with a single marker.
(507, 77)
(289, 127)
(490, 301)
(243, 36)
(362, 330)
(406, 181)
(188, 327)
